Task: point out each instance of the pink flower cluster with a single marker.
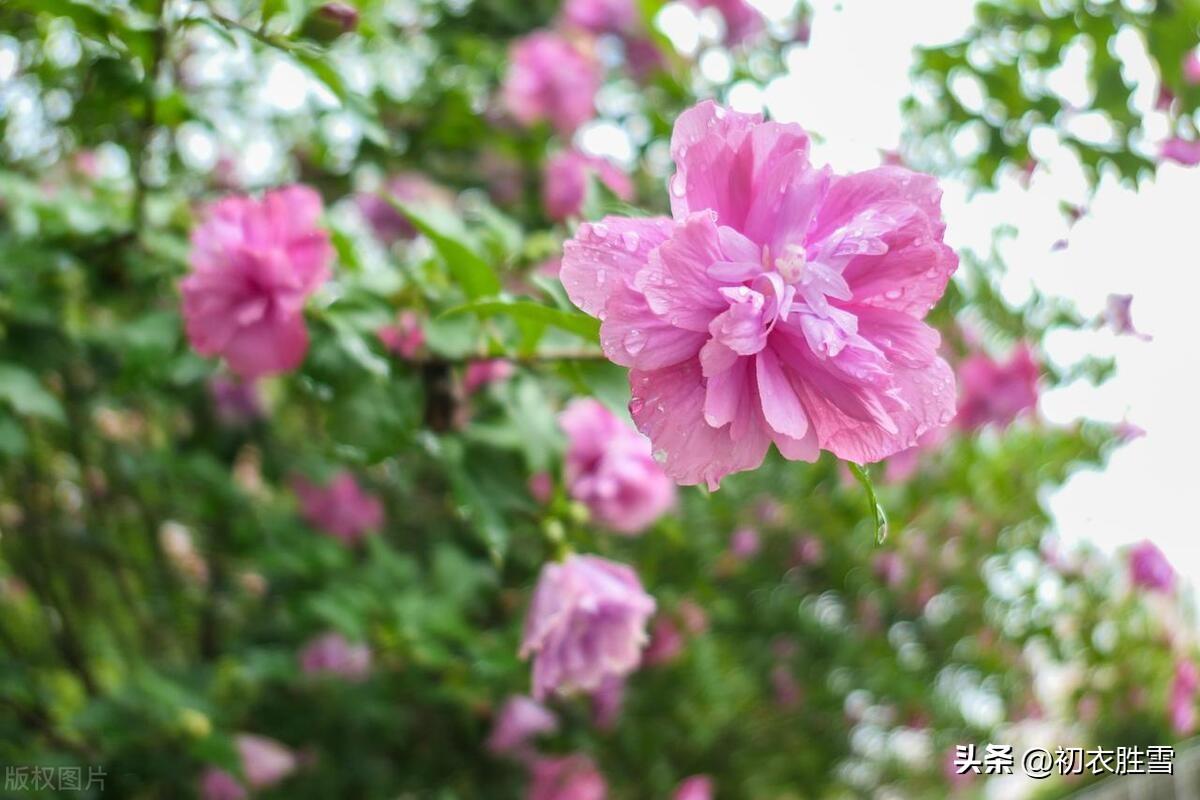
(781, 304)
(994, 392)
(340, 507)
(609, 469)
(553, 79)
(254, 264)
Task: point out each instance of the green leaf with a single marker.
(526, 310)
(20, 389)
(473, 273)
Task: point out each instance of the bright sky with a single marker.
(847, 86)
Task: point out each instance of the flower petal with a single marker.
(675, 280)
(605, 256)
(780, 404)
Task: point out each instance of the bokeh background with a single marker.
(314, 585)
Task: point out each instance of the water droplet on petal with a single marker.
(893, 294)
(677, 187)
(634, 341)
(630, 240)
(660, 456)
(635, 405)
(600, 229)
(600, 276)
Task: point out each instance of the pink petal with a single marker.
(272, 345)
(633, 336)
(675, 281)
(605, 256)
(780, 404)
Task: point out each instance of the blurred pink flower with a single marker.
(697, 787)
(217, 784)
(481, 373)
(1118, 317)
(551, 79)
(903, 465)
(742, 20)
(333, 654)
(602, 16)
(782, 304)
(265, 762)
(541, 487)
(236, 402)
(890, 568)
(520, 719)
(254, 263)
(996, 393)
(340, 507)
(807, 550)
(564, 184)
(410, 188)
(586, 622)
(787, 691)
(609, 468)
(1182, 701)
(1149, 568)
(745, 543)
(666, 642)
(1191, 66)
(693, 617)
(406, 337)
(1182, 151)
(643, 56)
(606, 703)
(572, 777)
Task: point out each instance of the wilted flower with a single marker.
(265, 762)
(782, 304)
(1182, 151)
(572, 777)
(235, 401)
(609, 469)
(481, 373)
(997, 393)
(587, 622)
(411, 189)
(1119, 319)
(564, 185)
(254, 263)
(742, 20)
(333, 654)
(601, 16)
(1149, 568)
(697, 787)
(217, 784)
(340, 507)
(520, 719)
(406, 337)
(551, 79)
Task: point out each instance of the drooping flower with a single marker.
(1191, 66)
(405, 337)
(551, 79)
(1181, 151)
(520, 719)
(601, 16)
(333, 654)
(994, 392)
(1149, 568)
(697, 787)
(254, 263)
(481, 373)
(572, 777)
(217, 784)
(609, 468)
(587, 622)
(236, 402)
(340, 507)
(265, 762)
(742, 20)
(781, 304)
(410, 188)
(1119, 318)
(564, 185)
(1182, 699)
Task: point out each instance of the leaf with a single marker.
(469, 269)
(20, 389)
(574, 322)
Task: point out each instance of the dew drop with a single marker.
(600, 229)
(660, 456)
(600, 276)
(677, 187)
(634, 341)
(630, 240)
(635, 405)
(893, 294)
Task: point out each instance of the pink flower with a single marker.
(254, 263)
(566, 178)
(520, 719)
(541, 487)
(1182, 700)
(340, 508)
(890, 568)
(606, 703)
(807, 550)
(693, 617)
(601, 16)
(572, 777)
(742, 20)
(265, 762)
(406, 337)
(1181, 151)
(745, 543)
(666, 642)
(781, 304)
(697, 787)
(609, 469)
(997, 393)
(785, 688)
(217, 784)
(481, 373)
(903, 465)
(587, 622)
(550, 79)
(236, 402)
(1149, 568)
(643, 56)
(333, 654)
(410, 188)
(1191, 66)
(1119, 319)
